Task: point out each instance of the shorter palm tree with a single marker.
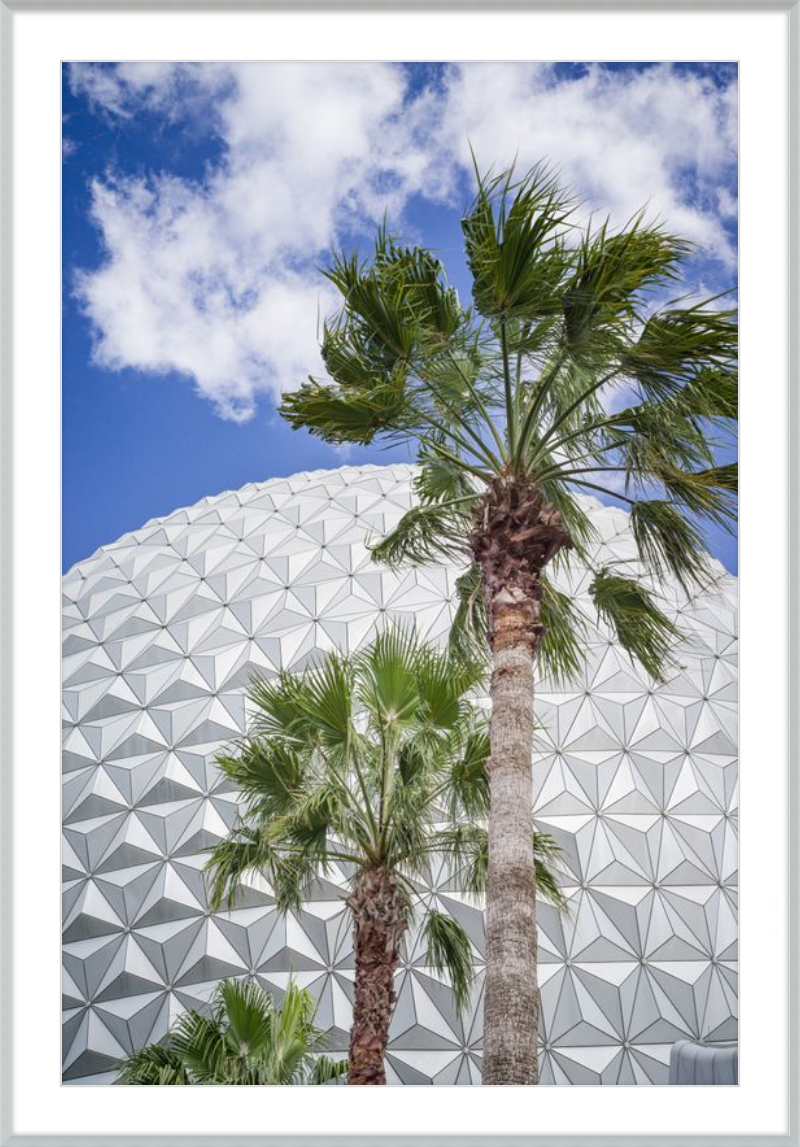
(246, 1039)
(373, 763)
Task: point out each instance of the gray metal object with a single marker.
(703, 1064)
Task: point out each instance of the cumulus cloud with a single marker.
(216, 279)
(660, 137)
(119, 91)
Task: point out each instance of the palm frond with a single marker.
(449, 382)
(387, 683)
(313, 708)
(269, 772)
(241, 854)
(568, 395)
(514, 246)
(613, 272)
(294, 1037)
(576, 520)
(467, 846)
(408, 825)
(199, 1042)
(351, 362)
(642, 629)
(546, 854)
(710, 493)
(338, 416)
(250, 1011)
(418, 278)
(468, 631)
(656, 436)
(395, 306)
(249, 851)
(383, 308)
(467, 783)
(243, 1038)
(154, 1065)
(450, 952)
(562, 650)
(313, 816)
(712, 392)
(329, 1070)
(675, 344)
(668, 542)
(443, 682)
(424, 534)
(440, 480)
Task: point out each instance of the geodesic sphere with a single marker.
(636, 780)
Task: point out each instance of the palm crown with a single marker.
(372, 763)
(515, 399)
(244, 1038)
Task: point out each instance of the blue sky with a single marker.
(199, 202)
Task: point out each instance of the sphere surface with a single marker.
(636, 780)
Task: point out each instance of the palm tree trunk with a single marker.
(515, 534)
(379, 920)
(511, 995)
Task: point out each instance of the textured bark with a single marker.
(379, 921)
(515, 534)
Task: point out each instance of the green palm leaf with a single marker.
(231, 860)
(328, 1070)
(468, 845)
(561, 653)
(250, 1014)
(314, 710)
(707, 493)
(339, 416)
(641, 628)
(425, 533)
(613, 271)
(468, 628)
(467, 784)
(669, 542)
(154, 1065)
(513, 240)
(267, 772)
(672, 343)
(387, 679)
(450, 952)
(245, 1039)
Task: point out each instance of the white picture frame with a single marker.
(35, 1110)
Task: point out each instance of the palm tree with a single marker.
(246, 1039)
(374, 762)
(573, 372)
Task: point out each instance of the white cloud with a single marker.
(172, 297)
(216, 279)
(623, 139)
(122, 90)
(68, 146)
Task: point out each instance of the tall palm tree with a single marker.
(573, 372)
(373, 762)
(245, 1039)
